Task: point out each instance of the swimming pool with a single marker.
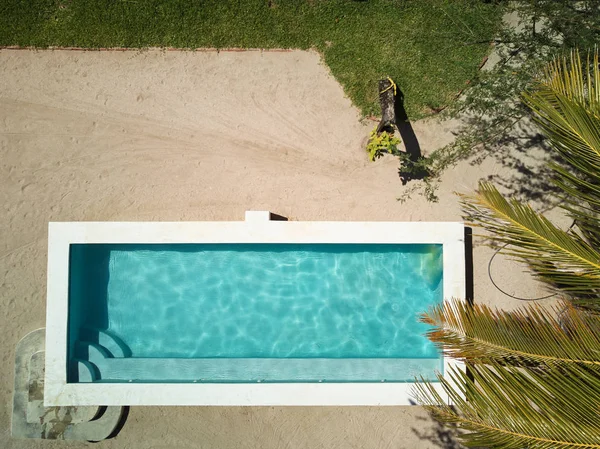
(245, 313)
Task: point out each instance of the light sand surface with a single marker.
(203, 136)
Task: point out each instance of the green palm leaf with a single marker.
(566, 105)
(507, 407)
(477, 333)
(564, 260)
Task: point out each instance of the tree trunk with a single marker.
(387, 101)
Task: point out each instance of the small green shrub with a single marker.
(381, 143)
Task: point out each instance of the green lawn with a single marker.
(430, 47)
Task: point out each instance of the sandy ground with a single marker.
(203, 136)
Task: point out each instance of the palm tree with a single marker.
(534, 375)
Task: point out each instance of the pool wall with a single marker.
(257, 228)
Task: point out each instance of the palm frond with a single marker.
(561, 335)
(573, 79)
(566, 105)
(582, 202)
(507, 407)
(572, 128)
(563, 260)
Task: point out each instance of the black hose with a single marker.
(502, 291)
(508, 294)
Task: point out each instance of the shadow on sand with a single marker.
(408, 169)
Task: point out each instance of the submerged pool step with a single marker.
(86, 371)
(107, 340)
(262, 370)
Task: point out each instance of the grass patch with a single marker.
(430, 47)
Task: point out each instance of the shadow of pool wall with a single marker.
(88, 310)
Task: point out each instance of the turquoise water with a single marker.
(170, 309)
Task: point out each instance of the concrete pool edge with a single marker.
(256, 229)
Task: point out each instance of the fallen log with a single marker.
(387, 100)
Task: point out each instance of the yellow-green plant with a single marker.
(380, 143)
(534, 374)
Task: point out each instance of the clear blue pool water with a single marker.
(252, 312)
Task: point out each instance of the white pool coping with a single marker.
(256, 229)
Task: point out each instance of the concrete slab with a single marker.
(30, 419)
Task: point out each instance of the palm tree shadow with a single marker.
(526, 156)
(438, 435)
(409, 169)
(522, 156)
